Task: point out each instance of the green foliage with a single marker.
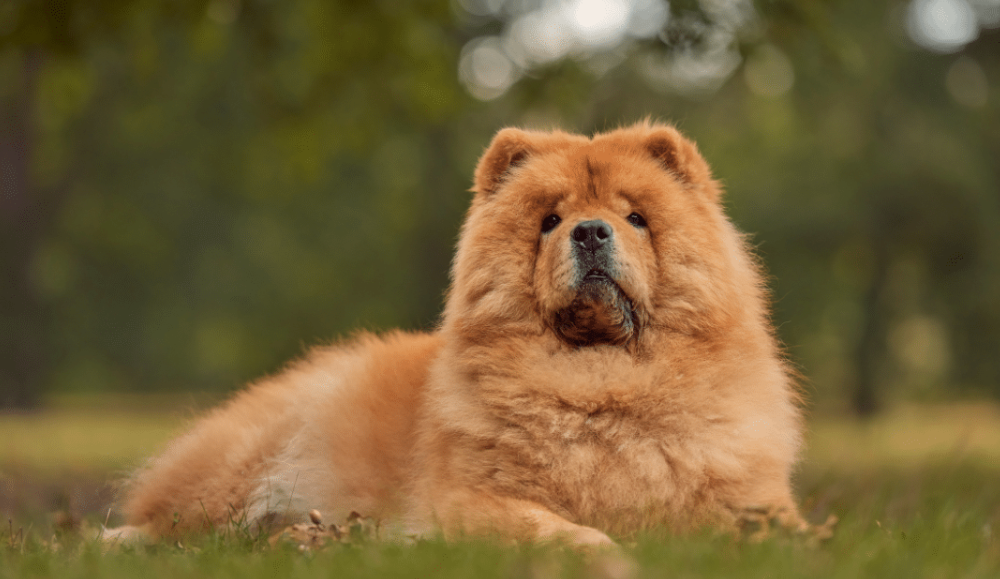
(204, 188)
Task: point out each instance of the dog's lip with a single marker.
(597, 285)
(600, 276)
(597, 274)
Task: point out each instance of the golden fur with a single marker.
(552, 402)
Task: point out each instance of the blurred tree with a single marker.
(24, 218)
(192, 189)
(226, 172)
(851, 137)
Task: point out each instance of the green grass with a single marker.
(92, 433)
(917, 492)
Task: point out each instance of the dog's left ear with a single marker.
(509, 148)
(677, 154)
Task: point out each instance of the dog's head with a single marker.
(597, 240)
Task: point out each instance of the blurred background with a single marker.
(192, 192)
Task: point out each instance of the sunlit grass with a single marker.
(92, 435)
(908, 436)
(65, 439)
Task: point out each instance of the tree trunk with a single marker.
(872, 345)
(21, 226)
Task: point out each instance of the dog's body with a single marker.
(604, 364)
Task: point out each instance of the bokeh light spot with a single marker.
(966, 83)
(768, 72)
(941, 25)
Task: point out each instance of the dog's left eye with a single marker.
(550, 222)
(636, 220)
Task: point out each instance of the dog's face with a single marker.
(595, 240)
(594, 260)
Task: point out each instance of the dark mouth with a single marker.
(597, 275)
(601, 313)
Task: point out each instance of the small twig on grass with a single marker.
(15, 541)
(208, 519)
(291, 495)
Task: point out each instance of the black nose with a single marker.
(592, 235)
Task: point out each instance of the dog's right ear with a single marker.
(509, 148)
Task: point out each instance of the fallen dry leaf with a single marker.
(758, 524)
(316, 536)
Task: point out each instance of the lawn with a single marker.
(917, 491)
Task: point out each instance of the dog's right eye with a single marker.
(550, 222)
(636, 220)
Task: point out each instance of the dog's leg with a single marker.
(483, 513)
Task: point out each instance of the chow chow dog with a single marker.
(605, 364)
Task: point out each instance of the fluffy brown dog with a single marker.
(604, 364)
